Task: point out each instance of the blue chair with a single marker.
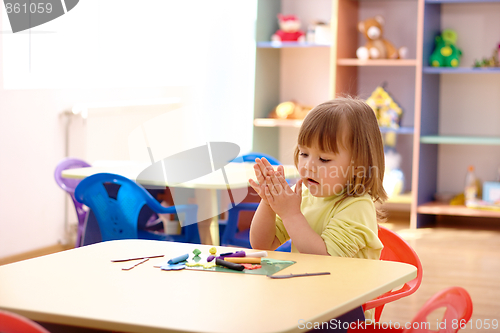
(250, 157)
(116, 202)
(230, 235)
(285, 247)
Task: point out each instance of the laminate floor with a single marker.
(453, 254)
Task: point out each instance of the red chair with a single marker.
(14, 323)
(458, 311)
(395, 249)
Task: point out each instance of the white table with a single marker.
(82, 287)
(206, 187)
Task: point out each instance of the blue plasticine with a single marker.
(178, 259)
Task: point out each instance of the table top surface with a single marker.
(237, 175)
(82, 287)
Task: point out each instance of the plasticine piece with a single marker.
(259, 254)
(243, 260)
(209, 265)
(210, 258)
(230, 265)
(201, 264)
(270, 261)
(196, 252)
(173, 267)
(250, 266)
(212, 251)
(235, 254)
(194, 264)
(178, 259)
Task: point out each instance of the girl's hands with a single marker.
(279, 195)
(262, 170)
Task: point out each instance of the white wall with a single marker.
(31, 144)
(32, 132)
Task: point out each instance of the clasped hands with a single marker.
(274, 190)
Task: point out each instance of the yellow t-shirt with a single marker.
(348, 229)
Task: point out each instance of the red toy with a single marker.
(289, 29)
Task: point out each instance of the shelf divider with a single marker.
(437, 208)
(461, 70)
(463, 140)
(376, 62)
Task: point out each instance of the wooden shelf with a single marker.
(400, 203)
(271, 122)
(281, 45)
(436, 208)
(461, 70)
(376, 62)
(460, 140)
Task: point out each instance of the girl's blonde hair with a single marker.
(351, 123)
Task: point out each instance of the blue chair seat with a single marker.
(231, 235)
(116, 202)
(285, 247)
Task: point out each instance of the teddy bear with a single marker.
(446, 54)
(289, 30)
(376, 47)
(290, 110)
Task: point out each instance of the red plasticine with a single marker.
(251, 266)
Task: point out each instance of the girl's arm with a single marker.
(303, 236)
(263, 228)
(286, 203)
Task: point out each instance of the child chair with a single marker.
(230, 233)
(69, 185)
(395, 249)
(285, 247)
(14, 323)
(117, 201)
(458, 305)
(458, 310)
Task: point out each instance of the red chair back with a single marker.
(458, 305)
(395, 249)
(14, 323)
(458, 310)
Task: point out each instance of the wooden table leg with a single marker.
(208, 214)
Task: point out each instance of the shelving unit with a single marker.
(455, 113)
(443, 126)
(287, 71)
(399, 76)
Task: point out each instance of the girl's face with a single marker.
(324, 173)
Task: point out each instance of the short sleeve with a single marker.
(281, 232)
(353, 231)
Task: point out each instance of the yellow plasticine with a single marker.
(209, 265)
(204, 265)
(212, 250)
(193, 264)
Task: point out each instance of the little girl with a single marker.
(331, 210)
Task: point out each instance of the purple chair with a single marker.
(69, 185)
